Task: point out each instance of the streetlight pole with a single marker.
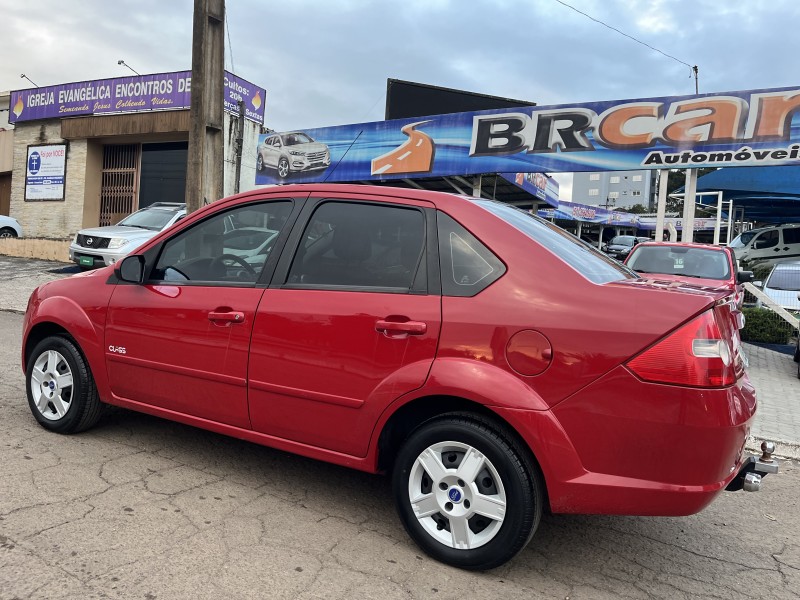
(23, 76)
(124, 64)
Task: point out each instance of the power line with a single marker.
(638, 41)
(230, 47)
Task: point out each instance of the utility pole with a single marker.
(205, 165)
(238, 146)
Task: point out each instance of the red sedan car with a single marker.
(477, 353)
(698, 264)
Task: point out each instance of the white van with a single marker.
(768, 245)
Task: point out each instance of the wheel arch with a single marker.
(60, 316)
(411, 415)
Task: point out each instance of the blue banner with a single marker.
(746, 128)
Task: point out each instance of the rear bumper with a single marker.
(622, 446)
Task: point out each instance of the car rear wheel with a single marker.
(283, 168)
(7, 232)
(466, 494)
(61, 392)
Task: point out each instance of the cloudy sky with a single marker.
(325, 62)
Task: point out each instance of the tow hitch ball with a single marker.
(753, 469)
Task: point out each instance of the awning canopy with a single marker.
(767, 194)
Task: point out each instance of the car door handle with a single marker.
(226, 317)
(409, 327)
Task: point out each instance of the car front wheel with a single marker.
(283, 168)
(259, 163)
(61, 392)
(7, 232)
(467, 495)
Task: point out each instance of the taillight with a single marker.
(695, 355)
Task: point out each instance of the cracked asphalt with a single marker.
(140, 507)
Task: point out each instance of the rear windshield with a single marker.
(588, 261)
(623, 240)
(785, 277)
(704, 263)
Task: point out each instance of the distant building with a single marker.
(615, 189)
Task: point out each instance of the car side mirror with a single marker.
(758, 283)
(744, 276)
(131, 269)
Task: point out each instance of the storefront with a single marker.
(90, 153)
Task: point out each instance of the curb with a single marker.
(783, 449)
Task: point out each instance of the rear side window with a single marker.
(589, 262)
(791, 235)
(467, 265)
(362, 246)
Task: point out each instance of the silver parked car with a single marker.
(101, 246)
(292, 152)
(783, 285)
(9, 227)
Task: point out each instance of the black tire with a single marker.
(7, 232)
(259, 162)
(283, 167)
(452, 438)
(61, 408)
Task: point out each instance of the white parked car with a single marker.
(101, 246)
(9, 227)
(783, 285)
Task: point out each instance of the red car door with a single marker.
(180, 341)
(352, 326)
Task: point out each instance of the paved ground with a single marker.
(143, 508)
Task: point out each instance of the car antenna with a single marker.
(343, 155)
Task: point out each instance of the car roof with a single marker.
(685, 245)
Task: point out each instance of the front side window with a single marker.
(229, 247)
(361, 245)
(768, 239)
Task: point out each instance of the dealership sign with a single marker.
(162, 91)
(47, 166)
(746, 128)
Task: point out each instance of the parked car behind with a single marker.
(494, 365)
(620, 246)
(768, 245)
(697, 264)
(782, 285)
(9, 227)
(102, 246)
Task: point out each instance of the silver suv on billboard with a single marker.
(292, 152)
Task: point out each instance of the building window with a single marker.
(594, 192)
(594, 177)
(614, 179)
(637, 178)
(636, 193)
(613, 194)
